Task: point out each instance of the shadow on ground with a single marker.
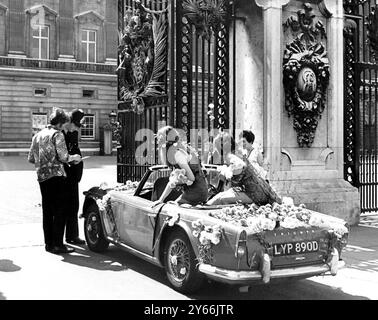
(117, 260)
(286, 290)
(8, 266)
(2, 296)
(361, 251)
(86, 258)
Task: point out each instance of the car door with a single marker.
(136, 219)
(136, 223)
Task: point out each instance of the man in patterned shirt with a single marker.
(48, 152)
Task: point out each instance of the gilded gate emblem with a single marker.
(142, 54)
(206, 15)
(305, 74)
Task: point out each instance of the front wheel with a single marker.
(180, 263)
(93, 230)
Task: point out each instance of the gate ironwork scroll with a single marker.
(173, 69)
(361, 100)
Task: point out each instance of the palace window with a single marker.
(40, 92)
(89, 93)
(40, 42)
(88, 128)
(39, 121)
(3, 29)
(88, 45)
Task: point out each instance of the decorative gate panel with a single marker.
(361, 100)
(190, 90)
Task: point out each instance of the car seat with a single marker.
(159, 187)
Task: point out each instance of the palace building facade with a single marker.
(56, 53)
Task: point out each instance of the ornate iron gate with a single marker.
(361, 100)
(173, 69)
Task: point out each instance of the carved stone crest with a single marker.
(142, 55)
(205, 15)
(305, 74)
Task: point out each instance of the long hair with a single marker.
(166, 137)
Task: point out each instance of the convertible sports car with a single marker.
(237, 244)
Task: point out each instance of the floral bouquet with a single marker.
(208, 236)
(178, 177)
(236, 165)
(225, 171)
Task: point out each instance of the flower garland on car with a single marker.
(207, 237)
(105, 208)
(269, 217)
(129, 185)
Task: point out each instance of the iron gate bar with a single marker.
(375, 139)
(189, 87)
(367, 84)
(203, 87)
(196, 68)
(171, 64)
(233, 15)
(361, 94)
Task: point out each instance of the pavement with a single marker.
(28, 272)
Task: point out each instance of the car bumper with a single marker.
(245, 277)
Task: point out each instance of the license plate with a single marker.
(292, 248)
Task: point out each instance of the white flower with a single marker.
(273, 216)
(177, 177)
(183, 271)
(174, 260)
(173, 217)
(204, 238)
(208, 229)
(197, 224)
(101, 205)
(339, 229)
(195, 234)
(315, 221)
(288, 201)
(226, 172)
(291, 223)
(215, 239)
(270, 225)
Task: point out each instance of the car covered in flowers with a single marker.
(236, 244)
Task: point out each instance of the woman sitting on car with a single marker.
(240, 181)
(174, 153)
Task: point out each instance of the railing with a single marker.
(57, 65)
(369, 181)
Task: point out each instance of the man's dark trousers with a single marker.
(72, 208)
(53, 203)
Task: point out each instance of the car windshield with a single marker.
(158, 179)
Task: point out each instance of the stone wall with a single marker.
(18, 102)
(311, 175)
(249, 70)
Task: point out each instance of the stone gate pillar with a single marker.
(273, 91)
(302, 150)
